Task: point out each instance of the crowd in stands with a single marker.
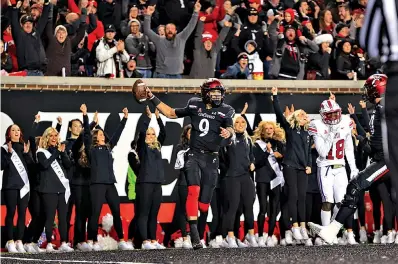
(229, 39)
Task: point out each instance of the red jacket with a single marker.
(218, 14)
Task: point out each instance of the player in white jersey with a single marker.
(333, 141)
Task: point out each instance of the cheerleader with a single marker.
(297, 164)
(102, 179)
(54, 186)
(268, 153)
(150, 179)
(14, 161)
(239, 157)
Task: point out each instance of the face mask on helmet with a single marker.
(213, 92)
(215, 97)
(374, 87)
(332, 118)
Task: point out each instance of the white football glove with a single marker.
(354, 173)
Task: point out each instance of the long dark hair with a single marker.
(184, 141)
(8, 134)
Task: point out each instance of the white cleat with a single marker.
(178, 242)
(271, 242)
(350, 238)
(65, 248)
(377, 237)
(147, 246)
(296, 232)
(322, 232)
(11, 247)
(363, 236)
(20, 247)
(50, 248)
(289, 237)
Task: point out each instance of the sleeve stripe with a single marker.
(313, 130)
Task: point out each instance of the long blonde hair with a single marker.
(46, 137)
(155, 144)
(245, 134)
(279, 133)
(292, 119)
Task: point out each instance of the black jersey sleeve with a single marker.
(228, 119)
(187, 110)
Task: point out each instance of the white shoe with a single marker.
(178, 242)
(383, 240)
(319, 241)
(148, 246)
(283, 242)
(186, 244)
(304, 233)
(232, 243)
(29, 248)
(20, 247)
(224, 244)
(85, 247)
(65, 248)
(377, 237)
(96, 247)
(11, 247)
(203, 243)
(289, 237)
(326, 233)
(157, 245)
(390, 237)
(50, 248)
(251, 241)
(130, 244)
(350, 238)
(363, 236)
(123, 246)
(296, 232)
(241, 244)
(36, 247)
(261, 242)
(308, 242)
(270, 242)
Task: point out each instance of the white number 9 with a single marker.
(204, 127)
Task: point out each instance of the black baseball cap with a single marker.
(110, 28)
(25, 19)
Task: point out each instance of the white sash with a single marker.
(180, 159)
(60, 173)
(21, 171)
(279, 180)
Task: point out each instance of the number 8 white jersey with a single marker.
(333, 142)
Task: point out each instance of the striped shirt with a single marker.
(379, 33)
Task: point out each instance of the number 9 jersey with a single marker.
(333, 142)
(206, 123)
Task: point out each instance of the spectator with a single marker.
(345, 15)
(30, 50)
(35, 11)
(79, 59)
(110, 12)
(130, 69)
(207, 47)
(239, 70)
(138, 45)
(275, 5)
(308, 30)
(6, 63)
(110, 54)
(9, 44)
(213, 16)
(289, 21)
(318, 63)
(59, 49)
(170, 50)
(124, 26)
(349, 65)
(162, 31)
(326, 24)
(255, 63)
(252, 31)
(289, 62)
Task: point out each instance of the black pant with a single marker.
(296, 182)
(263, 191)
(99, 193)
(13, 201)
(284, 221)
(36, 225)
(391, 114)
(236, 190)
(361, 209)
(215, 224)
(313, 203)
(149, 198)
(81, 198)
(52, 203)
(356, 186)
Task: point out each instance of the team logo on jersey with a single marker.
(221, 114)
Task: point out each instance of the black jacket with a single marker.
(100, 157)
(151, 169)
(30, 49)
(11, 177)
(182, 181)
(298, 142)
(313, 186)
(264, 171)
(49, 182)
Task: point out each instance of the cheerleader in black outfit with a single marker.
(102, 180)
(268, 151)
(150, 179)
(14, 162)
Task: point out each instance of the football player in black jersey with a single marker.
(211, 121)
(374, 89)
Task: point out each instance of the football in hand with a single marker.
(140, 91)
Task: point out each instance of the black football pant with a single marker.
(391, 118)
(356, 186)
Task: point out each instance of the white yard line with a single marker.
(68, 261)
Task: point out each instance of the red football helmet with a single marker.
(374, 87)
(330, 112)
(212, 84)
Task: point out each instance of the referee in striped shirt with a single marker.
(379, 36)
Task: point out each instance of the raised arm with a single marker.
(192, 23)
(277, 109)
(165, 109)
(116, 136)
(141, 148)
(147, 25)
(162, 132)
(249, 130)
(87, 139)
